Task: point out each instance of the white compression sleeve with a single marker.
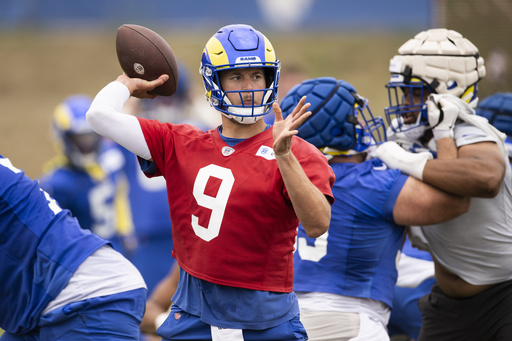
(106, 118)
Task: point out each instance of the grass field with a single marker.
(40, 69)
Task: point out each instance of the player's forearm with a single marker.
(421, 204)
(446, 149)
(473, 170)
(461, 177)
(310, 205)
(106, 118)
(147, 325)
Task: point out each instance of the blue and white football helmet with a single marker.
(239, 46)
(74, 137)
(341, 122)
(497, 108)
(438, 61)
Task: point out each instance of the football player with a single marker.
(434, 82)
(344, 279)
(60, 281)
(236, 193)
(84, 177)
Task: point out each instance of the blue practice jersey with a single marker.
(41, 245)
(91, 195)
(357, 256)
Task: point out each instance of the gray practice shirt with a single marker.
(477, 246)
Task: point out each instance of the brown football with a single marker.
(143, 53)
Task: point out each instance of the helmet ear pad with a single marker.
(332, 123)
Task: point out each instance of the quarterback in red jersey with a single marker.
(236, 193)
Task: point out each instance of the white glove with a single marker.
(395, 157)
(443, 111)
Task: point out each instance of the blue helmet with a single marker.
(239, 46)
(341, 122)
(74, 136)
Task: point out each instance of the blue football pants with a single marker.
(113, 317)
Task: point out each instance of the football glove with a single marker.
(443, 111)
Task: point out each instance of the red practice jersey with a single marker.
(233, 222)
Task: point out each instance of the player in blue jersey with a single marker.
(433, 87)
(84, 177)
(344, 279)
(59, 281)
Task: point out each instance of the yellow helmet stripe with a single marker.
(216, 52)
(468, 95)
(270, 53)
(61, 117)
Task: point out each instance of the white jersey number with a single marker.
(216, 204)
(313, 253)
(52, 204)
(102, 200)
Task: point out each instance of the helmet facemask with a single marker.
(407, 111)
(82, 150)
(370, 131)
(73, 135)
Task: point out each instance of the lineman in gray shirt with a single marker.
(433, 94)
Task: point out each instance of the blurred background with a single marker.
(50, 49)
